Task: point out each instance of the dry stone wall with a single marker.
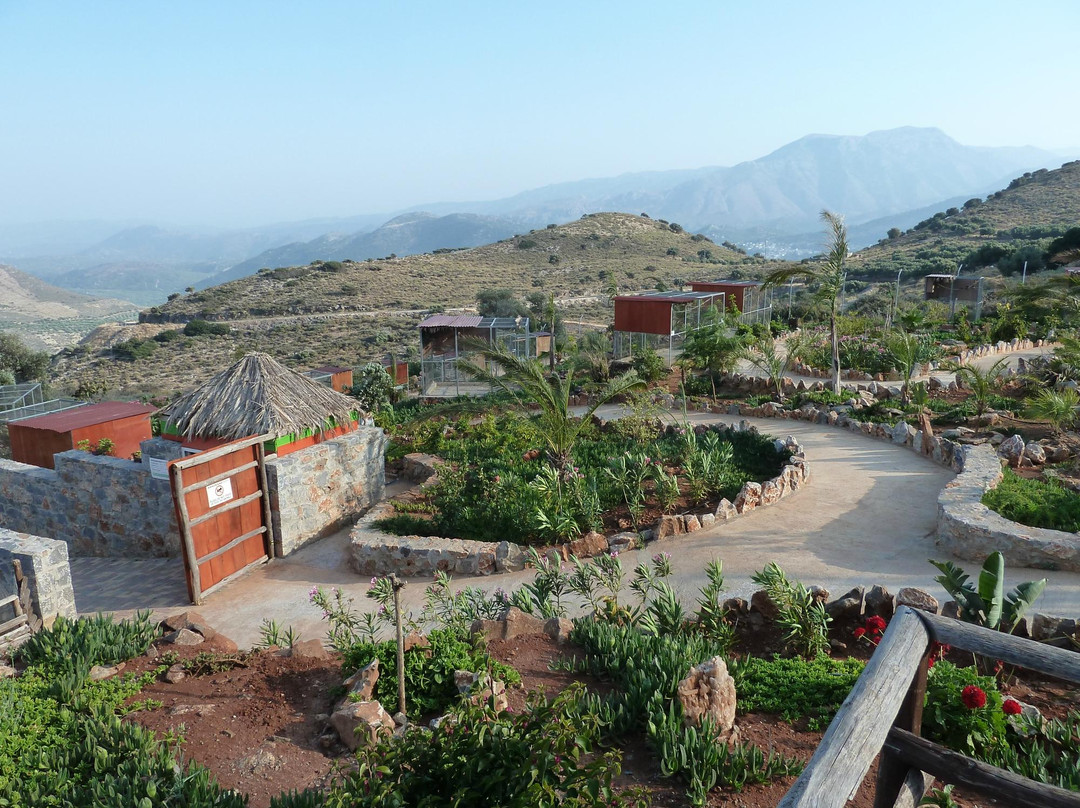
(98, 506)
(970, 530)
(45, 564)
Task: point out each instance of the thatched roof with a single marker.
(257, 395)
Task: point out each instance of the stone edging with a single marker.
(373, 552)
(970, 530)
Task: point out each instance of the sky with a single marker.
(239, 113)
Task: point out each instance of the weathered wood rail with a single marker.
(883, 714)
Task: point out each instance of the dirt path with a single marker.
(867, 517)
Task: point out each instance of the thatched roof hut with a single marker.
(256, 396)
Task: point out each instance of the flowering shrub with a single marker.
(963, 709)
(871, 630)
(973, 697)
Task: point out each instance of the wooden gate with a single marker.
(223, 511)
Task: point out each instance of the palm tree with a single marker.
(713, 347)
(529, 384)
(982, 383)
(1056, 407)
(767, 357)
(904, 350)
(829, 275)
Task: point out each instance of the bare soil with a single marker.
(261, 726)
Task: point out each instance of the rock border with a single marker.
(970, 530)
(373, 552)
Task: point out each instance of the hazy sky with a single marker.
(237, 113)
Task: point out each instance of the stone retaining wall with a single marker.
(374, 552)
(318, 490)
(98, 506)
(970, 530)
(45, 564)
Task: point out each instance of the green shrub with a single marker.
(170, 335)
(802, 617)
(133, 349)
(951, 722)
(89, 641)
(429, 672)
(1035, 503)
(795, 688)
(404, 524)
(201, 328)
(649, 365)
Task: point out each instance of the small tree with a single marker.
(373, 387)
(1056, 407)
(830, 275)
(767, 357)
(894, 233)
(713, 346)
(982, 383)
(904, 350)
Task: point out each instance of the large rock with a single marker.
(192, 621)
(1012, 450)
(668, 526)
(761, 603)
(361, 723)
(725, 510)
(621, 542)
(518, 624)
(589, 545)
(559, 628)
(748, 498)
(184, 637)
(1047, 627)
(917, 599)
(1035, 453)
(362, 683)
(309, 649)
(879, 602)
(709, 691)
(510, 557)
(848, 605)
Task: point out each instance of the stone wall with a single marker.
(45, 564)
(318, 490)
(970, 530)
(98, 506)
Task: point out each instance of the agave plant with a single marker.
(988, 605)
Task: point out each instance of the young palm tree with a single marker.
(529, 384)
(904, 350)
(767, 357)
(711, 346)
(829, 275)
(1056, 407)
(982, 383)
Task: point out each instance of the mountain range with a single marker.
(885, 179)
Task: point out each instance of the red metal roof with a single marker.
(452, 321)
(668, 297)
(89, 415)
(706, 284)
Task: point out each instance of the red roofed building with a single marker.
(35, 440)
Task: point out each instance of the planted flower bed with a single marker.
(497, 485)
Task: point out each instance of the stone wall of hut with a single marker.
(322, 488)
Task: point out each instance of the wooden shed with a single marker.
(259, 396)
(35, 440)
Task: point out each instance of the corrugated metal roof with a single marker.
(670, 297)
(452, 321)
(89, 415)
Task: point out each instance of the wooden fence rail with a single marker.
(883, 714)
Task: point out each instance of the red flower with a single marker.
(1011, 707)
(973, 697)
(859, 632)
(876, 623)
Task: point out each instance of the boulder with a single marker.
(709, 690)
(559, 628)
(308, 649)
(192, 621)
(184, 636)
(1012, 450)
(707, 520)
(1047, 627)
(820, 594)
(693, 524)
(99, 672)
(509, 557)
(950, 609)
(175, 673)
(748, 498)
(725, 510)
(761, 603)
(848, 605)
(591, 544)
(735, 607)
(879, 602)
(414, 639)
(7, 672)
(917, 599)
(621, 542)
(1035, 453)
(361, 723)
(362, 683)
(668, 526)
(518, 624)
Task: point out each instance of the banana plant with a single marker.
(987, 604)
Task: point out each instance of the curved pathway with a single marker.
(867, 517)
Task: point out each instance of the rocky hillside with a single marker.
(47, 317)
(352, 312)
(1030, 212)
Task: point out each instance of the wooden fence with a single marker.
(883, 713)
